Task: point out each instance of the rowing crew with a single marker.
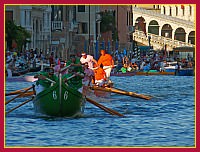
(96, 72)
(101, 69)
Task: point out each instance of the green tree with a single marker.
(108, 23)
(11, 32)
(16, 33)
(22, 38)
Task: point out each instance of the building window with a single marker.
(40, 26)
(170, 11)
(127, 18)
(83, 28)
(164, 11)
(130, 18)
(190, 9)
(176, 11)
(156, 6)
(27, 18)
(48, 20)
(57, 13)
(81, 8)
(9, 16)
(74, 13)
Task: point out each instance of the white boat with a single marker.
(170, 66)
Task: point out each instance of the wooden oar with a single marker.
(71, 77)
(50, 80)
(17, 91)
(42, 77)
(30, 93)
(24, 95)
(65, 68)
(123, 92)
(19, 94)
(20, 105)
(133, 94)
(111, 111)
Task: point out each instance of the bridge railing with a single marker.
(160, 41)
(164, 17)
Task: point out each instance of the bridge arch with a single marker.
(180, 34)
(191, 37)
(140, 24)
(153, 27)
(166, 31)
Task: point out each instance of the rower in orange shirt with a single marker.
(108, 63)
(100, 76)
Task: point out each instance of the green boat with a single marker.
(57, 98)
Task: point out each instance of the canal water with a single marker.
(168, 119)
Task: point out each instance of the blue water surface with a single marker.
(168, 119)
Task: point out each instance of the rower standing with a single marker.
(89, 59)
(108, 63)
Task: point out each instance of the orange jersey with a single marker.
(106, 60)
(99, 74)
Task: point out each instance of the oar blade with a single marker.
(25, 102)
(108, 110)
(20, 94)
(132, 94)
(122, 92)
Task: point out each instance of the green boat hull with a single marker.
(65, 103)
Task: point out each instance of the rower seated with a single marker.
(74, 63)
(46, 77)
(100, 76)
(59, 67)
(73, 79)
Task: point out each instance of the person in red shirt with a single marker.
(108, 63)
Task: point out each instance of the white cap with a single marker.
(83, 53)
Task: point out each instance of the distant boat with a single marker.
(154, 72)
(121, 74)
(150, 72)
(20, 71)
(185, 72)
(171, 67)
